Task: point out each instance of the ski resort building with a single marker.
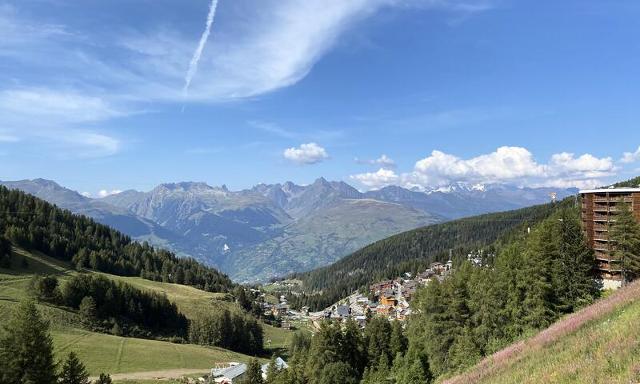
(599, 209)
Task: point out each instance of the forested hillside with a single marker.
(535, 278)
(34, 224)
(414, 250)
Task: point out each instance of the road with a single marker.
(155, 375)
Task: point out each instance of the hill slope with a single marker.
(114, 354)
(598, 344)
(415, 250)
(102, 352)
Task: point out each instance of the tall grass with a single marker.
(501, 361)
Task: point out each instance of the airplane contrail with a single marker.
(193, 65)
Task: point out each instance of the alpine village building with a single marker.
(599, 210)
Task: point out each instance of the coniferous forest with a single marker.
(413, 251)
(34, 224)
(535, 278)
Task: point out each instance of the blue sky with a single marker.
(92, 93)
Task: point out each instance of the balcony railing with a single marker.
(613, 199)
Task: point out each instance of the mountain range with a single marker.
(277, 229)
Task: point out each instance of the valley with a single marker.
(275, 230)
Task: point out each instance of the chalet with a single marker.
(381, 286)
(388, 300)
(229, 375)
(437, 267)
(385, 310)
(280, 310)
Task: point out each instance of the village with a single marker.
(389, 299)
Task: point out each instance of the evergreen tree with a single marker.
(103, 379)
(625, 235)
(26, 348)
(353, 346)
(539, 301)
(254, 373)
(398, 341)
(73, 371)
(88, 311)
(5, 252)
(574, 283)
(337, 373)
(377, 337)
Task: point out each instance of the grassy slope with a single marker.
(599, 344)
(113, 354)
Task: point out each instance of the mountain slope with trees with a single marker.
(533, 279)
(279, 229)
(414, 250)
(34, 224)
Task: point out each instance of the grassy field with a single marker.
(600, 344)
(113, 354)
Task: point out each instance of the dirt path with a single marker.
(155, 375)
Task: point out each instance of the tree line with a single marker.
(235, 331)
(34, 224)
(121, 309)
(116, 307)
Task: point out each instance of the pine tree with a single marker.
(103, 379)
(574, 283)
(254, 373)
(539, 301)
(353, 346)
(26, 348)
(398, 341)
(625, 235)
(73, 371)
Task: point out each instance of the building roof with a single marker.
(280, 364)
(342, 310)
(610, 190)
(231, 372)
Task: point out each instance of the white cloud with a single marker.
(381, 178)
(506, 163)
(511, 165)
(56, 117)
(631, 157)
(383, 161)
(264, 48)
(105, 193)
(587, 165)
(86, 194)
(309, 153)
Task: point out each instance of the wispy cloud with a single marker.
(57, 117)
(631, 157)
(383, 161)
(257, 50)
